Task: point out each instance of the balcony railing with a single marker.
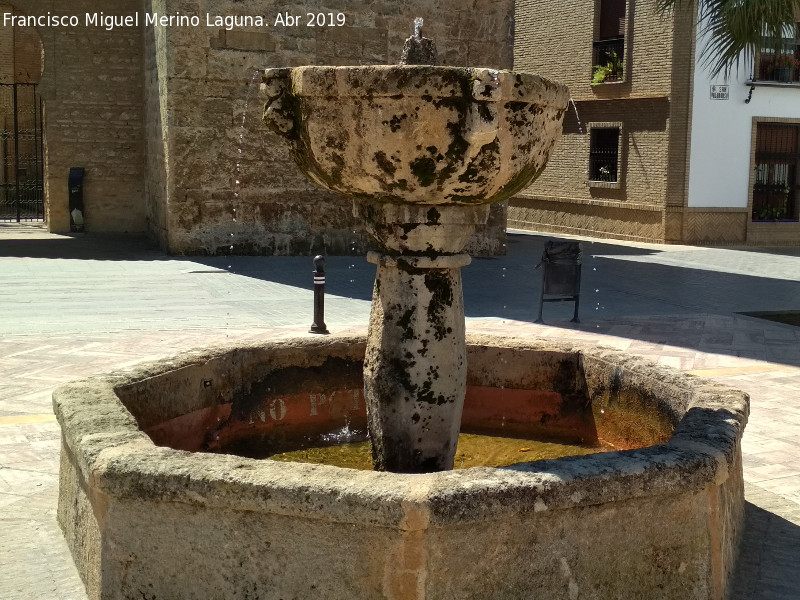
(783, 68)
(607, 60)
(603, 166)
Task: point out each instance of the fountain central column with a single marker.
(415, 368)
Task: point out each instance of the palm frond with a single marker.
(737, 29)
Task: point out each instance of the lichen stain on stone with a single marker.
(400, 184)
(424, 169)
(384, 163)
(440, 286)
(336, 172)
(400, 370)
(407, 228)
(336, 143)
(433, 216)
(426, 395)
(405, 323)
(406, 267)
(459, 146)
(485, 113)
(519, 113)
(515, 185)
(396, 122)
(424, 350)
(486, 161)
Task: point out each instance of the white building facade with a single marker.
(744, 158)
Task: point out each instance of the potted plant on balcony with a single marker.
(777, 206)
(611, 71)
(784, 65)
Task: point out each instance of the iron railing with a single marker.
(783, 68)
(604, 154)
(776, 189)
(780, 64)
(607, 59)
(21, 153)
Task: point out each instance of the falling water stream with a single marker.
(577, 116)
(237, 186)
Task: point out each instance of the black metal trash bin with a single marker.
(75, 188)
(561, 275)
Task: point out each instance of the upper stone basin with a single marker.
(416, 134)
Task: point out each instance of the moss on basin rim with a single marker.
(154, 522)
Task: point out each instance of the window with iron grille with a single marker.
(604, 154)
(776, 189)
(781, 65)
(608, 49)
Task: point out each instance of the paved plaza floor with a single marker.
(72, 306)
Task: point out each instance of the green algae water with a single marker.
(472, 451)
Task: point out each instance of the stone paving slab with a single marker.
(674, 305)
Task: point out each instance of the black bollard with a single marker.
(319, 296)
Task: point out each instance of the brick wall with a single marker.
(569, 28)
(651, 102)
(27, 55)
(644, 153)
(6, 49)
(212, 133)
(20, 52)
(92, 88)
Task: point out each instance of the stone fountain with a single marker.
(150, 512)
(423, 151)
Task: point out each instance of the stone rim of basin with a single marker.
(487, 85)
(113, 453)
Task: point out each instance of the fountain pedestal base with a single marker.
(415, 366)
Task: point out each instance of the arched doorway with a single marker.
(21, 112)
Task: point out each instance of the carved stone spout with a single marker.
(419, 50)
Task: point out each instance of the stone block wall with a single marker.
(228, 185)
(155, 107)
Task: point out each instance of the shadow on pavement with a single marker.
(614, 287)
(767, 565)
(78, 246)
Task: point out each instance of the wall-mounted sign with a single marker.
(720, 92)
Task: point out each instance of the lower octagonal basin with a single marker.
(158, 501)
